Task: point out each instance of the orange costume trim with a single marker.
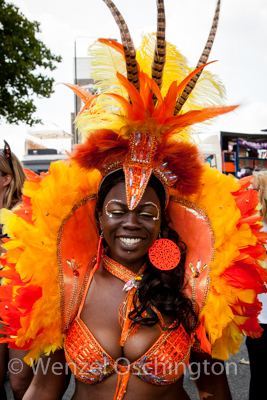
(162, 364)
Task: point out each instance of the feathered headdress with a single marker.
(131, 125)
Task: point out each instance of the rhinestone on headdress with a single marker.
(138, 166)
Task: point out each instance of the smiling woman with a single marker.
(129, 236)
(155, 305)
(128, 233)
(144, 258)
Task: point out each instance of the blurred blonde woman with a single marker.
(260, 184)
(12, 178)
(257, 348)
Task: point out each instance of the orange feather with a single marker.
(128, 109)
(82, 93)
(185, 81)
(136, 99)
(87, 104)
(196, 116)
(101, 147)
(185, 161)
(114, 44)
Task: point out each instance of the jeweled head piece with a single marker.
(141, 123)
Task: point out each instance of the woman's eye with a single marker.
(117, 212)
(146, 214)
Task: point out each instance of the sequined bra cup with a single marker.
(163, 364)
(91, 364)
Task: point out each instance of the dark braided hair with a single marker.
(163, 290)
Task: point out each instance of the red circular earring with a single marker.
(164, 254)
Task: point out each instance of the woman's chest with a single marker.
(101, 315)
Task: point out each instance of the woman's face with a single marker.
(4, 181)
(130, 234)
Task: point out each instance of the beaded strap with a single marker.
(131, 285)
(119, 270)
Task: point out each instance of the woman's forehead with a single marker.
(118, 192)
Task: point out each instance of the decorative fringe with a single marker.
(123, 378)
(125, 308)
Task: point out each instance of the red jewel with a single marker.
(76, 273)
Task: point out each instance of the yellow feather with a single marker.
(5, 217)
(91, 120)
(104, 72)
(229, 341)
(209, 91)
(176, 66)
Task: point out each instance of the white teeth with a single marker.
(130, 241)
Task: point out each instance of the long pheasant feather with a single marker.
(160, 48)
(129, 50)
(203, 59)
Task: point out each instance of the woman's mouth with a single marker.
(129, 241)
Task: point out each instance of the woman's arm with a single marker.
(3, 359)
(210, 377)
(51, 378)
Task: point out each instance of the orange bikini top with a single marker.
(162, 364)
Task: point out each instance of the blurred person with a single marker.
(12, 178)
(257, 348)
(244, 172)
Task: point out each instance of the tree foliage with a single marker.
(23, 61)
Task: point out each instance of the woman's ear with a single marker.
(164, 232)
(7, 180)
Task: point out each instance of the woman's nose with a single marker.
(131, 220)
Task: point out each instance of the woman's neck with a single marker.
(2, 195)
(133, 266)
